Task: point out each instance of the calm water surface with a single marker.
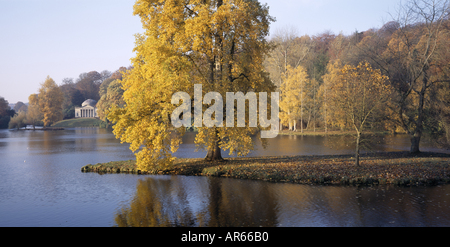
(42, 185)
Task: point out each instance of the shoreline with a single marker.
(399, 168)
(42, 128)
(80, 122)
(334, 133)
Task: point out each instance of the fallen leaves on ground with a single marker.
(376, 168)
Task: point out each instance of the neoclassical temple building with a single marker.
(87, 110)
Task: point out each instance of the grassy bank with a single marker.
(380, 168)
(80, 122)
(330, 132)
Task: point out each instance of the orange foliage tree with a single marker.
(358, 94)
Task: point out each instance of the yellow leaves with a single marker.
(357, 92)
(33, 113)
(292, 93)
(50, 101)
(143, 122)
(182, 40)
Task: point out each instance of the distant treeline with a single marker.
(54, 103)
(409, 55)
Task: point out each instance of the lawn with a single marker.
(80, 122)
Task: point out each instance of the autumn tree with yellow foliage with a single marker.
(111, 95)
(219, 44)
(293, 95)
(359, 94)
(34, 115)
(51, 100)
(333, 115)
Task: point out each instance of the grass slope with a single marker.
(80, 122)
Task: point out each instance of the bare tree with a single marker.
(290, 49)
(409, 59)
(360, 93)
(418, 61)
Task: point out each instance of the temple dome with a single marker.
(89, 102)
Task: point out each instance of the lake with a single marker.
(42, 185)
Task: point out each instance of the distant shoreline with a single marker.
(399, 168)
(40, 128)
(330, 133)
(80, 122)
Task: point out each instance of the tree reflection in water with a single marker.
(210, 202)
(222, 202)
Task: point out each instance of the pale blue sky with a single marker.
(64, 38)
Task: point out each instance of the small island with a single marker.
(398, 168)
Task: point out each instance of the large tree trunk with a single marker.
(214, 152)
(447, 130)
(415, 141)
(417, 134)
(215, 77)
